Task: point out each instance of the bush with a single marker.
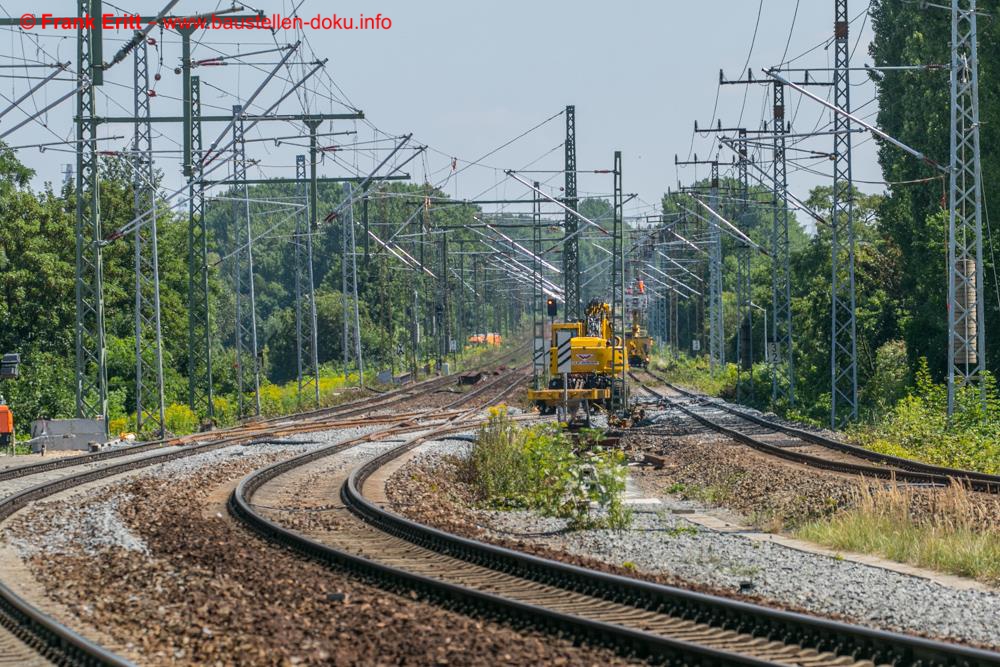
(918, 427)
(538, 468)
(180, 420)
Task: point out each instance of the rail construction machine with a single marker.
(586, 363)
(638, 342)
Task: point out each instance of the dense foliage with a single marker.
(37, 291)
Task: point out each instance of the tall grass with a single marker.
(694, 372)
(944, 530)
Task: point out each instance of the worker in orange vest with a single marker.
(6, 426)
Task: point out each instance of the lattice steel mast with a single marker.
(716, 321)
(91, 370)
(539, 345)
(247, 351)
(619, 397)
(843, 328)
(149, 408)
(307, 351)
(349, 282)
(744, 317)
(200, 390)
(571, 247)
(966, 324)
(781, 354)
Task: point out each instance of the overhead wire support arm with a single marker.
(60, 68)
(731, 229)
(854, 119)
(372, 175)
(253, 96)
(681, 266)
(750, 80)
(513, 174)
(76, 91)
(798, 202)
(529, 254)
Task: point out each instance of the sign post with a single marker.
(564, 364)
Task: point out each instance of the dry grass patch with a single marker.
(945, 530)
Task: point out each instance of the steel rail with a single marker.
(343, 410)
(64, 646)
(787, 627)
(897, 467)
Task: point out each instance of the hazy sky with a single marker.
(466, 77)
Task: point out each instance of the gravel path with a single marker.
(664, 543)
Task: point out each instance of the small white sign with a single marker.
(540, 353)
(564, 357)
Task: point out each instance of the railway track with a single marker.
(641, 619)
(808, 448)
(28, 636)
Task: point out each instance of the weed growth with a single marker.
(539, 468)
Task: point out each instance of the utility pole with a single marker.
(444, 320)
(149, 408)
(620, 398)
(571, 246)
(716, 321)
(744, 319)
(537, 296)
(716, 329)
(349, 275)
(461, 326)
(91, 367)
(306, 335)
(843, 327)
(200, 390)
(414, 335)
(966, 323)
(247, 351)
(782, 355)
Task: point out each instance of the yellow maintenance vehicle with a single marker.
(638, 342)
(588, 358)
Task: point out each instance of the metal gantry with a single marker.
(149, 398)
(966, 324)
(91, 368)
(306, 338)
(781, 354)
(843, 327)
(247, 350)
(571, 246)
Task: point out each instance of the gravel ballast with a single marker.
(662, 545)
(154, 561)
